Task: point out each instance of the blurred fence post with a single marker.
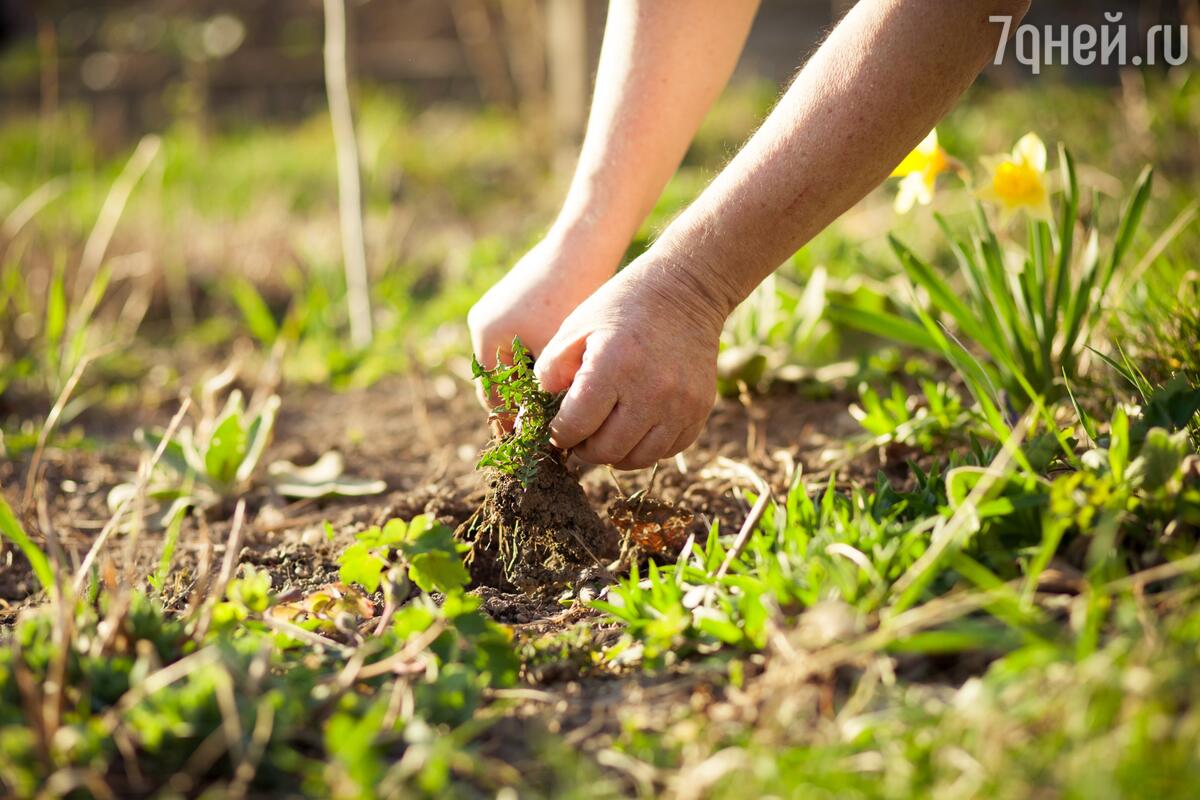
(524, 26)
(354, 249)
(484, 51)
(567, 53)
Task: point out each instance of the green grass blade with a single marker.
(944, 298)
(883, 324)
(1131, 217)
(1089, 427)
(1066, 241)
(255, 311)
(11, 528)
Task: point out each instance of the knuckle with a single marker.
(565, 433)
(477, 317)
(602, 452)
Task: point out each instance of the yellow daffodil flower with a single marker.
(1017, 181)
(919, 172)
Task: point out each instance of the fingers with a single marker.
(584, 409)
(619, 434)
(559, 363)
(685, 439)
(489, 350)
(654, 445)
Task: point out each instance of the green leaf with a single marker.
(226, 450)
(1130, 217)
(255, 312)
(1118, 446)
(11, 528)
(883, 324)
(718, 625)
(438, 570)
(1159, 460)
(360, 565)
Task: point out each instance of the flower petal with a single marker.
(992, 163)
(1032, 150)
(920, 158)
(913, 189)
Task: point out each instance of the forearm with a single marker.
(662, 64)
(884, 77)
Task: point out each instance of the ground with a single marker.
(425, 438)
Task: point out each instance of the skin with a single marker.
(636, 351)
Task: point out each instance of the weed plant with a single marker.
(530, 410)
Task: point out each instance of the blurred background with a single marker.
(467, 113)
(141, 64)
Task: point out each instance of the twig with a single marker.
(354, 249)
(233, 547)
(247, 768)
(411, 650)
(159, 680)
(743, 537)
(533, 695)
(311, 637)
(760, 507)
(114, 206)
(28, 208)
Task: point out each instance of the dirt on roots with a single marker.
(536, 538)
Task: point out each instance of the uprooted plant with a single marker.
(535, 529)
(528, 407)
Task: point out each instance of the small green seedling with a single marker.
(218, 458)
(209, 462)
(423, 545)
(920, 420)
(521, 399)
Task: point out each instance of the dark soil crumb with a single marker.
(537, 538)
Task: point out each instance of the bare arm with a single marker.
(639, 355)
(877, 86)
(662, 65)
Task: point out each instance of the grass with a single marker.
(1007, 607)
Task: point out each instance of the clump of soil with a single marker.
(539, 537)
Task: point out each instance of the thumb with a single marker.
(556, 367)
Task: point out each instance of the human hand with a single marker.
(638, 361)
(536, 295)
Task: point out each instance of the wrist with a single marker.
(679, 282)
(582, 251)
(597, 222)
(701, 275)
